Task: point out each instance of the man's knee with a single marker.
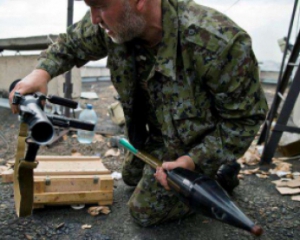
(132, 170)
(130, 179)
(144, 218)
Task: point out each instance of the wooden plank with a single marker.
(71, 198)
(75, 183)
(288, 183)
(8, 176)
(68, 165)
(288, 191)
(107, 183)
(38, 186)
(281, 183)
(296, 198)
(100, 203)
(294, 183)
(67, 158)
(105, 202)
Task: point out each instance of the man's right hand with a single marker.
(36, 81)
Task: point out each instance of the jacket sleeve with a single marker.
(83, 42)
(237, 102)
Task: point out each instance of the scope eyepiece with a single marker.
(17, 98)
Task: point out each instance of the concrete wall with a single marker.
(269, 77)
(15, 67)
(87, 71)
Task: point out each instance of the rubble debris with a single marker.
(75, 153)
(262, 176)
(296, 198)
(112, 153)
(282, 174)
(98, 138)
(7, 176)
(94, 211)
(86, 226)
(288, 186)
(28, 237)
(293, 183)
(240, 176)
(282, 182)
(296, 175)
(288, 191)
(58, 226)
(281, 166)
(116, 175)
(3, 169)
(250, 171)
(10, 163)
(250, 158)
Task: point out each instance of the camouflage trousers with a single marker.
(150, 203)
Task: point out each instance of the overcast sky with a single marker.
(265, 20)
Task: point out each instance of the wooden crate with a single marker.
(60, 180)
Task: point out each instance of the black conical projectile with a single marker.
(205, 196)
(201, 193)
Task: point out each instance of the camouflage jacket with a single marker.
(208, 100)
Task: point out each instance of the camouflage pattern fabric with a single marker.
(202, 87)
(150, 203)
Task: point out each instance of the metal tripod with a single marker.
(271, 135)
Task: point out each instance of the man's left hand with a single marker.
(183, 162)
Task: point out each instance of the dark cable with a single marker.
(231, 6)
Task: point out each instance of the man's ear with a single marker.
(140, 4)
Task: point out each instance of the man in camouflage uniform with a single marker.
(189, 86)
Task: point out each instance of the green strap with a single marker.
(23, 177)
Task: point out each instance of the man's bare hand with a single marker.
(36, 81)
(183, 162)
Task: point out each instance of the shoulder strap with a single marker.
(23, 176)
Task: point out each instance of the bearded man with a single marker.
(189, 86)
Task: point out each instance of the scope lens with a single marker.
(42, 132)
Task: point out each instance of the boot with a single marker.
(227, 176)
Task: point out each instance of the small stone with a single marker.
(29, 237)
(7, 231)
(3, 206)
(58, 226)
(289, 217)
(290, 235)
(71, 226)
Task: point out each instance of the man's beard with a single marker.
(129, 27)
